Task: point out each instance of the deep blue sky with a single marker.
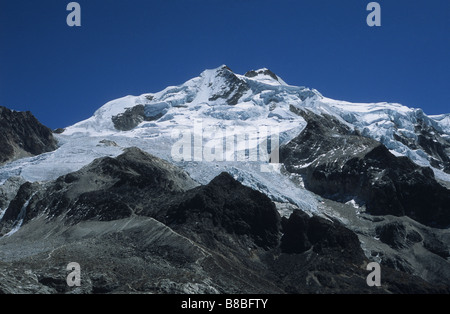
(64, 74)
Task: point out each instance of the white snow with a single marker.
(381, 121)
(265, 79)
(353, 203)
(2, 213)
(443, 121)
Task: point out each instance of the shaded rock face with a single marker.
(9, 190)
(265, 72)
(295, 239)
(430, 141)
(22, 135)
(130, 119)
(234, 88)
(16, 206)
(302, 233)
(134, 116)
(139, 224)
(436, 246)
(227, 205)
(114, 188)
(108, 189)
(401, 236)
(396, 235)
(339, 164)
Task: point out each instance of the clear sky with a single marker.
(64, 74)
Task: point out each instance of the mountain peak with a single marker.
(223, 84)
(264, 74)
(225, 67)
(22, 135)
(262, 71)
(218, 71)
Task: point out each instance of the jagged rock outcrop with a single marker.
(107, 189)
(140, 224)
(429, 139)
(225, 204)
(132, 117)
(22, 135)
(302, 233)
(267, 72)
(16, 206)
(233, 89)
(8, 190)
(340, 164)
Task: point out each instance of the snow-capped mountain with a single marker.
(222, 98)
(380, 169)
(262, 98)
(230, 102)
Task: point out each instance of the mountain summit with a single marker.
(260, 97)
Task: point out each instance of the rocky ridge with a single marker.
(193, 243)
(22, 135)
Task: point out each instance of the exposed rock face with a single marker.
(396, 235)
(107, 143)
(16, 207)
(139, 224)
(436, 246)
(132, 117)
(327, 256)
(263, 72)
(429, 139)
(59, 130)
(108, 189)
(340, 164)
(233, 89)
(302, 233)
(22, 135)
(8, 191)
(225, 204)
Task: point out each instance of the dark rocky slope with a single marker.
(234, 88)
(429, 139)
(22, 135)
(132, 117)
(226, 205)
(340, 164)
(105, 190)
(138, 224)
